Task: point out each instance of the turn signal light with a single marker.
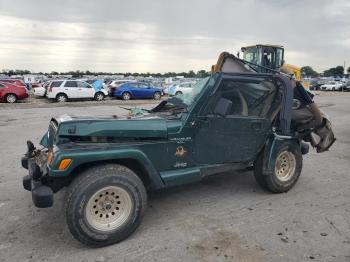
(64, 163)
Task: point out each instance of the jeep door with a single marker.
(239, 134)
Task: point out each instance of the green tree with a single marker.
(334, 71)
(202, 73)
(348, 70)
(191, 73)
(308, 71)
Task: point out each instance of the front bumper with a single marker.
(42, 195)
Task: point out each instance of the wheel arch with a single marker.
(270, 151)
(61, 93)
(135, 160)
(10, 93)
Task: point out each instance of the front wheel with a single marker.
(105, 204)
(61, 98)
(11, 98)
(287, 169)
(99, 96)
(126, 96)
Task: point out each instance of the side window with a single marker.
(248, 98)
(83, 84)
(70, 84)
(56, 83)
(141, 85)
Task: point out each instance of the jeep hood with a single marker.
(111, 127)
(65, 129)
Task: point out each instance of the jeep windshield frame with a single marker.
(187, 100)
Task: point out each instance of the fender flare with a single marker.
(270, 151)
(91, 156)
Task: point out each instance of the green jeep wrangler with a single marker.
(233, 119)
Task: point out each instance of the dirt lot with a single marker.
(225, 218)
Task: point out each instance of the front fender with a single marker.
(86, 156)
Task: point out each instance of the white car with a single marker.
(183, 88)
(332, 86)
(39, 91)
(62, 90)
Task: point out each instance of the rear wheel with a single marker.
(11, 98)
(126, 96)
(105, 204)
(287, 169)
(99, 96)
(157, 96)
(178, 93)
(61, 98)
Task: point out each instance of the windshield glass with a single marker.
(251, 55)
(188, 97)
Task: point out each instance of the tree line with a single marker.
(333, 71)
(78, 73)
(305, 71)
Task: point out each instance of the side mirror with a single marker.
(223, 107)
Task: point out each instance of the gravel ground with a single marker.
(224, 218)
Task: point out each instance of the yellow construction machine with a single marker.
(268, 57)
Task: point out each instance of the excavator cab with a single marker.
(268, 56)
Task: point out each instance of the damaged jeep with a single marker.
(234, 119)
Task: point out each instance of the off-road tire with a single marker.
(99, 96)
(271, 182)
(11, 98)
(178, 93)
(85, 186)
(157, 95)
(126, 96)
(61, 98)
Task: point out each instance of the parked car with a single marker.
(346, 86)
(63, 90)
(13, 81)
(10, 92)
(332, 86)
(39, 91)
(114, 84)
(182, 88)
(315, 86)
(96, 83)
(135, 90)
(231, 120)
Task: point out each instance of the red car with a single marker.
(17, 82)
(10, 93)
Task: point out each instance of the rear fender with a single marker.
(271, 150)
(85, 157)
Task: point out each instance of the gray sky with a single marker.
(162, 36)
